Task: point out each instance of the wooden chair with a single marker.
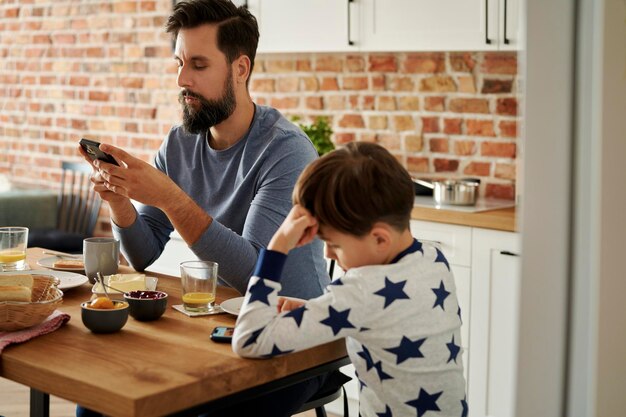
(77, 212)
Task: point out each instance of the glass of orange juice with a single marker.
(13, 242)
(199, 281)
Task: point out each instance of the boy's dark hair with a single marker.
(237, 32)
(352, 188)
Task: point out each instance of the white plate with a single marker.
(49, 263)
(232, 306)
(66, 279)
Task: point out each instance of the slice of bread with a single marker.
(15, 293)
(68, 263)
(23, 280)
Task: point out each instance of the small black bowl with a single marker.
(104, 320)
(146, 305)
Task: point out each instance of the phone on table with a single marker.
(94, 152)
(222, 334)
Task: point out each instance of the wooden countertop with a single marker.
(501, 219)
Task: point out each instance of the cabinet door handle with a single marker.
(506, 39)
(350, 41)
(507, 253)
(487, 40)
(434, 242)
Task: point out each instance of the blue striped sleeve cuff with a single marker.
(270, 264)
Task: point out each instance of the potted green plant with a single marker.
(319, 132)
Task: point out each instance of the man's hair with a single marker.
(237, 30)
(352, 188)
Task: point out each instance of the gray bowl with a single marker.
(103, 320)
(146, 305)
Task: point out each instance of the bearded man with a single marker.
(223, 179)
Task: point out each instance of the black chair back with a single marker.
(78, 204)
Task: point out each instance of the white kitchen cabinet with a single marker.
(427, 25)
(387, 25)
(493, 328)
(305, 25)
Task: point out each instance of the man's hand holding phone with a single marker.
(90, 150)
(135, 179)
(93, 152)
(128, 176)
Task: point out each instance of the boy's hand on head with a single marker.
(299, 228)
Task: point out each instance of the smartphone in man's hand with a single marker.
(93, 150)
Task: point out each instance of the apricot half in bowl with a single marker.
(101, 318)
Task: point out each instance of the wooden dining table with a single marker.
(164, 367)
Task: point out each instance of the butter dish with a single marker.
(127, 282)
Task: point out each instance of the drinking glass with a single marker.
(199, 280)
(13, 241)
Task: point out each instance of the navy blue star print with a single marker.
(441, 294)
(297, 314)
(337, 281)
(464, 405)
(418, 246)
(365, 354)
(255, 335)
(259, 292)
(387, 412)
(276, 351)
(458, 312)
(392, 291)
(407, 349)
(382, 375)
(337, 320)
(441, 258)
(362, 385)
(425, 402)
(454, 350)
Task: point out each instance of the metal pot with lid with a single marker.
(463, 192)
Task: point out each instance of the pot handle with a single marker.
(425, 183)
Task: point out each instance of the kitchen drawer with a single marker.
(454, 241)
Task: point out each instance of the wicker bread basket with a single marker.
(16, 315)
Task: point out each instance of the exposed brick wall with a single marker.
(442, 114)
(103, 69)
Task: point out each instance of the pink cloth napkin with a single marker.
(53, 322)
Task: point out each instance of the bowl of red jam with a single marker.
(145, 305)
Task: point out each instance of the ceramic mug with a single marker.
(102, 254)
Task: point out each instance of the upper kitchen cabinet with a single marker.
(441, 25)
(305, 25)
(386, 25)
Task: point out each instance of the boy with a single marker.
(396, 305)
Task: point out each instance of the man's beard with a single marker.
(211, 112)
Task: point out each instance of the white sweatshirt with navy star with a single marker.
(401, 322)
